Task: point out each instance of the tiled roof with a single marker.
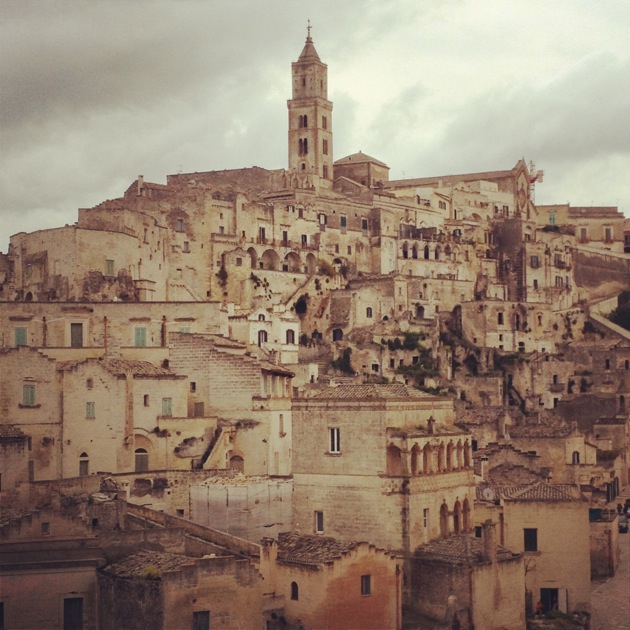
(539, 491)
(313, 550)
(541, 431)
(120, 366)
(10, 432)
(460, 549)
(143, 563)
(273, 367)
(394, 391)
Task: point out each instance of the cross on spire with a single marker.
(308, 31)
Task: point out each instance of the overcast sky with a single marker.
(95, 92)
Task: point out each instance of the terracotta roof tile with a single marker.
(395, 391)
(11, 432)
(314, 550)
(460, 549)
(142, 562)
(539, 491)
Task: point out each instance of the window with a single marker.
(90, 410)
(343, 221)
(334, 442)
(20, 337)
(364, 226)
(89, 383)
(583, 234)
(349, 249)
(186, 246)
(73, 613)
(559, 282)
(323, 219)
(141, 460)
(262, 337)
(304, 239)
(84, 465)
(368, 311)
(530, 539)
(179, 225)
(31, 470)
(552, 218)
(325, 146)
(295, 591)
(607, 364)
(140, 337)
(324, 122)
(146, 400)
(76, 335)
(201, 620)
(534, 261)
(167, 407)
(239, 262)
(442, 205)
(500, 318)
(28, 395)
(535, 284)
(575, 457)
(45, 529)
(319, 522)
(199, 410)
(290, 336)
(109, 267)
(366, 585)
(281, 425)
(608, 233)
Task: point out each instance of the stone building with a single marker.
(468, 582)
(325, 583)
(549, 525)
(401, 470)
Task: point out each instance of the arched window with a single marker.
(622, 403)
(415, 460)
(237, 463)
(394, 461)
(142, 460)
(466, 514)
(444, 520)
(305, 146)
(368, 311)
(337, 334)
(262, 337)
(449, 456)
(84, 465)
(575, 457)
(305, 120)
(440, 461)
(414, 251)
(500, 318)
(427, 253)
(437, 253)
(261, 318)
(405, 250)
(426, 459)
(295, 591)
(291, 336)
(457, 517)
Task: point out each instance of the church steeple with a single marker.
(310, 116)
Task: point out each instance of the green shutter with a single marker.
(140, 338)
(167, 407)
(28, 395)
(20, 337)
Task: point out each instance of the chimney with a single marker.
(140, 184)
(489, 541)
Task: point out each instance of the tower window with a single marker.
(325, 171)
(324, 122)
(325, 146)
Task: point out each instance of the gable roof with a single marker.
(311, 550)
(460, 549)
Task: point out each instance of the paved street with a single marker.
(610, 599)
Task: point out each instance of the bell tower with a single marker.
(310, 117)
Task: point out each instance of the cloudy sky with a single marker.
(96, 92)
